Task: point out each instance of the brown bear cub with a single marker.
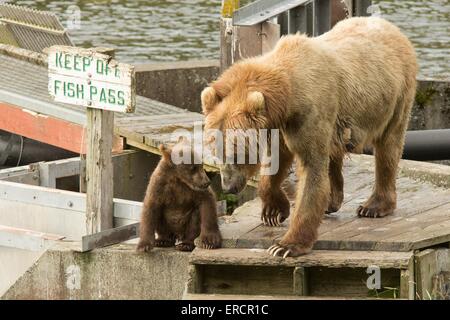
(179, 205)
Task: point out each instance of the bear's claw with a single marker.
(163, 243)
(211, 240)
(275, 249)
(284, 251)
(185, 247)
(272, 218)
(363, 211)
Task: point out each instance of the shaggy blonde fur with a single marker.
(351, 87)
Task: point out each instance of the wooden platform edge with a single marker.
(326, 258)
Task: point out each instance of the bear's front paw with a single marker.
(211, 240)
(274, 213)
(144, 246)
(185, 246)
(288, 250)
(164, 243)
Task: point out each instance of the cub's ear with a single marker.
(165, 152)
(256, 102)
(209, 99)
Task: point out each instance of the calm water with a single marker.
(144, 31)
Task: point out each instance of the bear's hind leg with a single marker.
(336, 183)
(165, 238)
(191, 231)
(388, 152)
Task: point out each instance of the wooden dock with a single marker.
(409, 247)
(422, 218)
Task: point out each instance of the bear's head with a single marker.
(179, 161)
(248, 97)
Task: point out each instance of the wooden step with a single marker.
(193, 296)
(322, 273)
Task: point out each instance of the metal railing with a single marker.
(31, 29)
(312, 17)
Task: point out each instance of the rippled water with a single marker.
(170, 30)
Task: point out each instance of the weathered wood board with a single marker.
(421, 220)
(88, 77)
(322, 273)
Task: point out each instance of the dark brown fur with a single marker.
(178, 205)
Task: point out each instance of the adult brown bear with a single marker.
(351, 87)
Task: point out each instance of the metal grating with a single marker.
(6, 35)
(31, 29)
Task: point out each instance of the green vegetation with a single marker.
(424, 96)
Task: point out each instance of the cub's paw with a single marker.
(211, 240)
(185, 246)
(273, 214)
(289, 250)
(164, 243)
(144, 246)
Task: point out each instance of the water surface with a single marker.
(172, 30)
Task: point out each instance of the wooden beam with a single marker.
(25, 174)
(226, 38)
(26, 239)
(56, 132)
(407, 282)
(53, 131)
(99, 168)
(300, 281)
(109, 237)
(270, 33)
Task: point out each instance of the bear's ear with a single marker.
(165, 152)
(209, 99)
(256, 101)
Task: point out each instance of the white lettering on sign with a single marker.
(87, 78)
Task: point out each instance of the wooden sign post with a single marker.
(93, 79)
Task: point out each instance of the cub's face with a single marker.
(181, 161)
(226, 119)
(193, 175)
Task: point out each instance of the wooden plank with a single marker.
(408, 282)
(61, 199)
(385, 228)
(198, 296)
(426, 266)
(91, 77)
(258, 280)
(99, 170)
(56, 132)
(394, 228)
(26, 239)
(54, 198)
(52, 170)
(247, 42)
(25, 174)
(241, 222)
(300, 281)
(47, 129)
(352, 282)
(441, 286)
(109, 237)
(270, 35)
(326, 258)
(226, 39)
